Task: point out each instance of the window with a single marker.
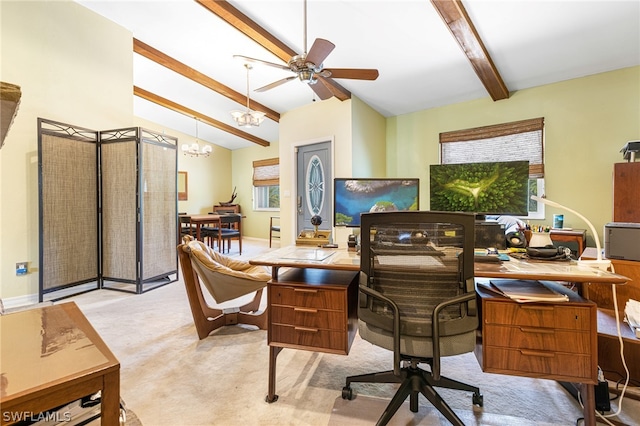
(518, 140)
(266, 184)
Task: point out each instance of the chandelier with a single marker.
(248, 118)
(194, 149)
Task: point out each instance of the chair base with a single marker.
(413, 381)
(208, 319)
(246, 314)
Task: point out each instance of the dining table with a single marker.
(214, 220)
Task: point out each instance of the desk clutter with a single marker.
(524, 291)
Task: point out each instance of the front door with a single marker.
(314, 185)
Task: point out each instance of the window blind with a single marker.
(518, 140)
(266, 172)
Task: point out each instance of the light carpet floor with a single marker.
(169, 377)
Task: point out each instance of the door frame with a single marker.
(294, 175)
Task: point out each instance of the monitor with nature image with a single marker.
(354, 196)
(495, 188)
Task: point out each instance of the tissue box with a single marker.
(632, 316)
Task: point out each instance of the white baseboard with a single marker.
(31, 299)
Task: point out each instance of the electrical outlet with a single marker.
(21, 268)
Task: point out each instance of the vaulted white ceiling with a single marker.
(420, 63)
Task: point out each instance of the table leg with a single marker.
(273, 354)
(589, 401)
(110, 399)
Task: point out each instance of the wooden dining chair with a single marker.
(274, 228)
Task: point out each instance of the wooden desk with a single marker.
(341, 259)
(578, 236)
(52, 356)
(608, 343)
(556, 341)
(310, 309)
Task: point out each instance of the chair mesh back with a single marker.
(418, 263)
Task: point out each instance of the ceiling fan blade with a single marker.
(275, 84)
(336, 89)
(260, 61)
(321, 90)
(353, 73)
(319, 51)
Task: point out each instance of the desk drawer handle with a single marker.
(534, 353)
(310, 310)
(537, 330)
(306, 329)
(304, 290)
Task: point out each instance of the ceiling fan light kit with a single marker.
(308, 67)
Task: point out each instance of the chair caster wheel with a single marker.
(478, 399)
(347, 393)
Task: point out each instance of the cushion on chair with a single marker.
(224, 277)
(416, 346)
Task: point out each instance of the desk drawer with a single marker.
(527, 362)
(308, 317)
(544, 339)
(568, 317)
(308, 297)
(310, 338)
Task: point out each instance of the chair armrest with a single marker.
(435, 328)
(396, 324)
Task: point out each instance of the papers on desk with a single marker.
(309, 254)
(632, 316)
(524, 291)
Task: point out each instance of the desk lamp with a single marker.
(600, 263)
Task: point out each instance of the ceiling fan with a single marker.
(309, 69)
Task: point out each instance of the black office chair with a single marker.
(417, 298)
(274, 228)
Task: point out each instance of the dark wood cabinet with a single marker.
(541, 340)
(626, 203)
(313, 310)
(233, 208)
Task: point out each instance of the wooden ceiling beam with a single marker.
(241, 22)
(457, 20)
(152, 97)
(167, 61)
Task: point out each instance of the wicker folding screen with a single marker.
(108, 208)
(68, 208)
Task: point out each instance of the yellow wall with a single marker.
(56, 53)
(312, 123)
(368, 141)
(587, 121)
(256, 223)
(358, 135)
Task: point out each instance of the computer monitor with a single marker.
(353, 196)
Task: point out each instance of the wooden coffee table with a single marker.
(52, 356)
